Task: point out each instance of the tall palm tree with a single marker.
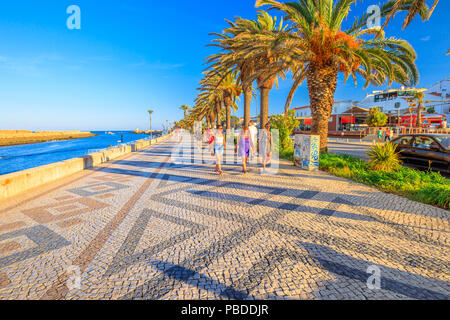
(259, 43)
(250, 50)
(417, 102)
(185, 108)
(227, 60)
(210, 97)
(219, 89)
(319, 50)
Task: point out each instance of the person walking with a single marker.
(209, 140)
(219, 148)
(266, 145)
(245, 145)
(380, 134)
(254, 138)
(388, 134)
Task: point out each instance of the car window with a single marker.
(404, 141)
(445, 141)
(424, 143)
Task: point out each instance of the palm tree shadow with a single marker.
(351, 273)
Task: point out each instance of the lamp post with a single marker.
(150, 112)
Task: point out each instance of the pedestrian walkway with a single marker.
(145, 228)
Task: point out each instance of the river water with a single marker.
(17, 158)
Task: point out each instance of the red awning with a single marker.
(308, 121)
(348, 120)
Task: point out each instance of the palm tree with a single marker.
(417, 102)
(318, 50)
(185, 108)
(210, 97)
(229, 42)
(231, 91)
(412, 7)
(221, 89)
(251, 52)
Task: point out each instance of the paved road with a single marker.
(353, 149)
(144, 227)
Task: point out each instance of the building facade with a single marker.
(348, 114)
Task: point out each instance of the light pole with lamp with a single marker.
(150, 112)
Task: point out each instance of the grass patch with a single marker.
(426, 187)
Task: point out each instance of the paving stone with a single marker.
(146, 228)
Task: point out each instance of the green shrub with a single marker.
(287, 154)
(285, 129)
(384, 157)
(426, 187)
(376, 118)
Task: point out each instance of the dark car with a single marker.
(424, 151)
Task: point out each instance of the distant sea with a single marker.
(17, 158)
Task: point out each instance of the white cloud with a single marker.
(427, 38)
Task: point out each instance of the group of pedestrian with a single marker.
(388, 134)
(247, 145)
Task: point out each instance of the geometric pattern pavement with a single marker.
(146, 228)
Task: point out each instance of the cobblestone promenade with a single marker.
(144, 227)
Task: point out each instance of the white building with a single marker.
(389, 101)
(439, 97)
(393, 101)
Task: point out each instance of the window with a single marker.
(424, 143)
(445, 141)
(404, 141)
(397, 105)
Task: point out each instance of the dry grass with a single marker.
(12, 139)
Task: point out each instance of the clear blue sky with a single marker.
(132, 55)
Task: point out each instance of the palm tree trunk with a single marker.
(218, 107)
(185, 114)
(247, 106)
(287, 106)
(322, 82)
(265, 84)
(208, 122)
(228, 111)
(264, 112)
(419, 115)
(213, 119)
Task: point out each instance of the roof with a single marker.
(355, 109)
(301, 108)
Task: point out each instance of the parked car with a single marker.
(425, 151)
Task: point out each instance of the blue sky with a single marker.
(135, 55)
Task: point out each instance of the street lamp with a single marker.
(150, 112)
